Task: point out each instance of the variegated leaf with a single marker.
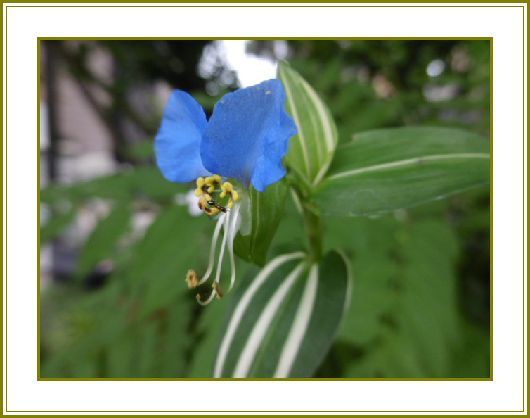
(388, 169)
(284, 320)
(311, 150)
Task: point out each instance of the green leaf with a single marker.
(404, 321)
(267, 208)
(56, 224)
(102, 241)
(387, 169)
(137, 182)
(311, 150)
(284, 320)
(173, 244)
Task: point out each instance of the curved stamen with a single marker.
(215, 237)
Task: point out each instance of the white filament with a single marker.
(215, 237)
(222, 249)
(230, 223)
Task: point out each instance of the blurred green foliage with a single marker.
(420, 304)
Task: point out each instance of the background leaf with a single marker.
(387, 169)
(284, 320)
(267, 208)
(102, 241)
(311, 150)
(420, 287)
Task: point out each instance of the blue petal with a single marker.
(178, 141)
(269, 168)
(247, 135)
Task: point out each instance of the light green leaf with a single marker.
(387, 169)
(311, 150)
(284, 320)
(266, 211)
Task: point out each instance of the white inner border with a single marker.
(507, 25)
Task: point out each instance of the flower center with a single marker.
(217, 198)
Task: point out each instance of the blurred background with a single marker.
(116, 239)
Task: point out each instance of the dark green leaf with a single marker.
(404, 314)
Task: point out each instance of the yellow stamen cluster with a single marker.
(207, 187)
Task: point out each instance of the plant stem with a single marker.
(313, 227)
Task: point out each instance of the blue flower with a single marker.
(245, 139)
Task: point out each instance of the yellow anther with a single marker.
(213, 180)
(211, 189)
(230, 204)
(222, 195)
(227, 187)
(191, 279)
(200, 182)
(198, 192)
(235, 196)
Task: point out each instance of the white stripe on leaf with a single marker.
(299, 326)
(324, 117)
(404, 163)
(296, 117)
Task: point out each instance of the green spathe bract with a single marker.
(266, 211)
